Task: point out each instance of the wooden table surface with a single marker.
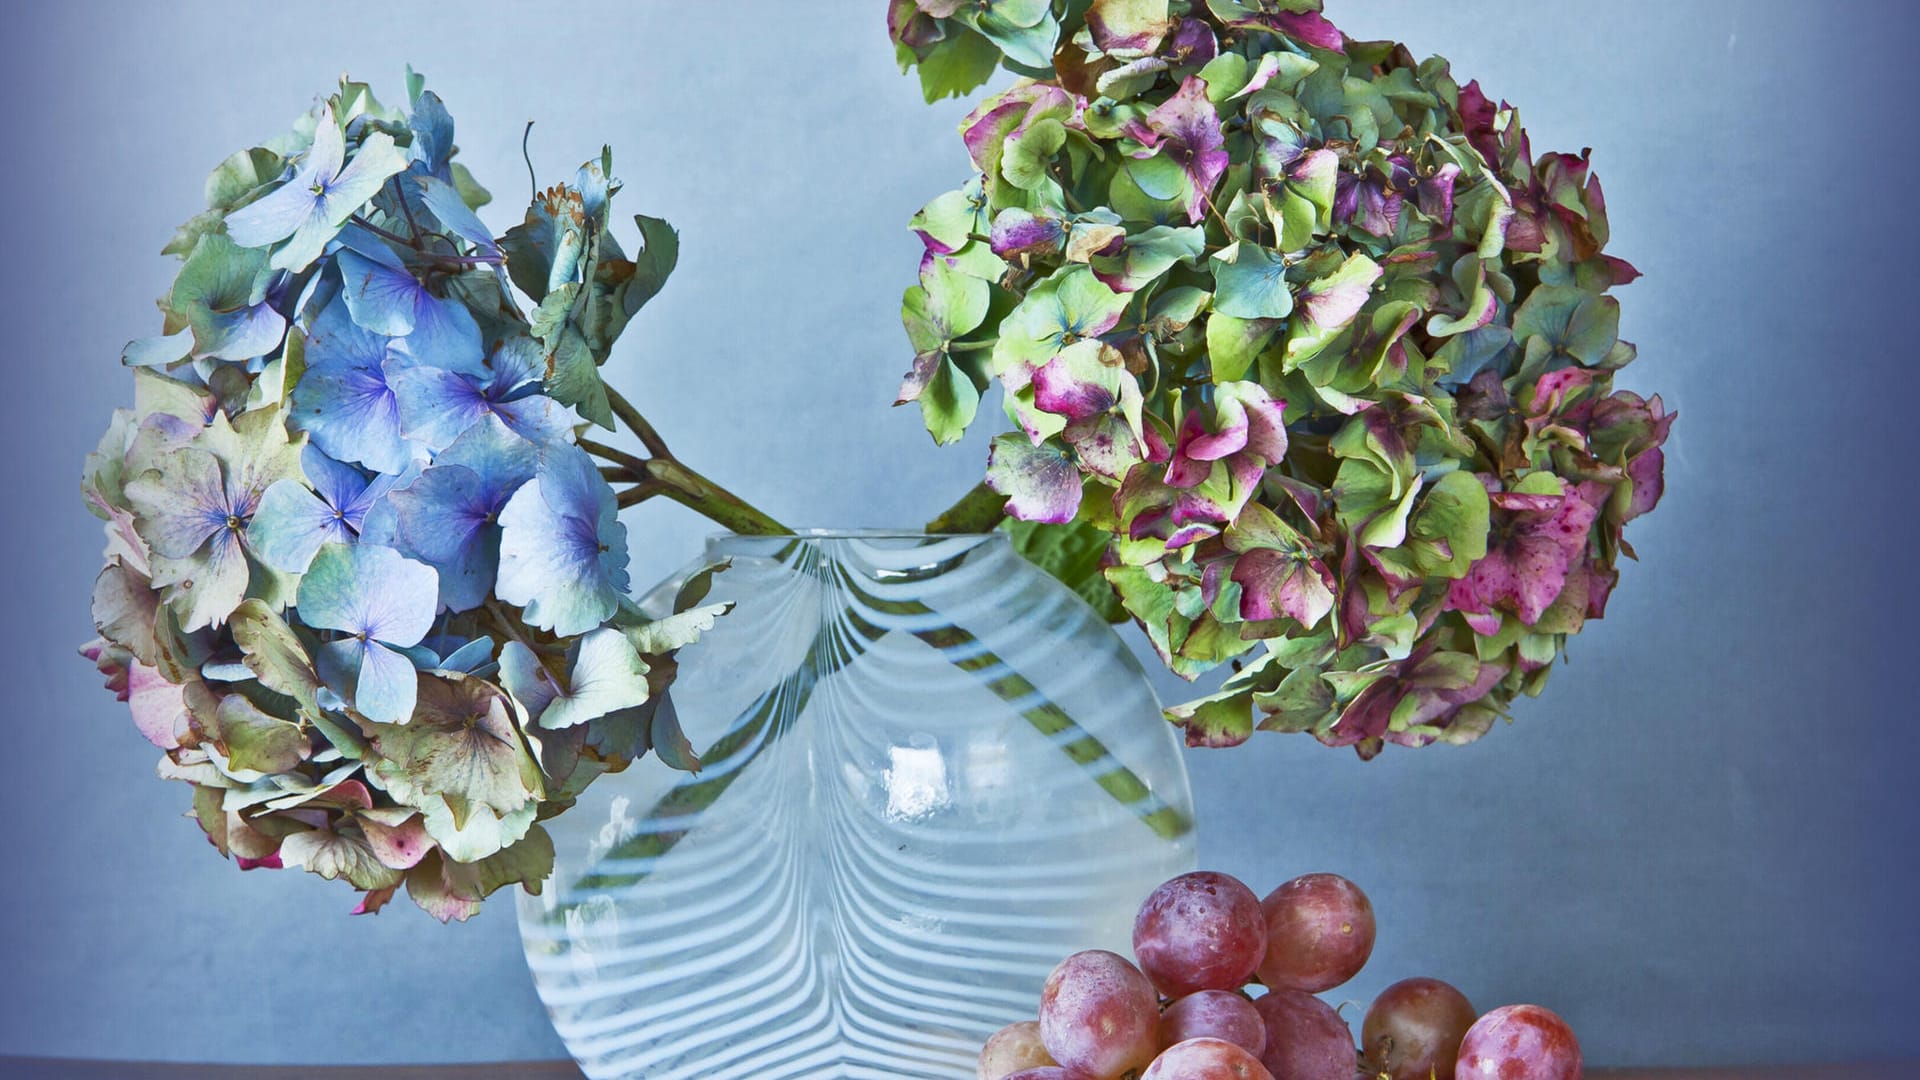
(34, 1068)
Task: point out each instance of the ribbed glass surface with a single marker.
(931, 772)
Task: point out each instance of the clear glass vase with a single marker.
(929, 772)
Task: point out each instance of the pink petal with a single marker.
(159, 707)
(398, 846)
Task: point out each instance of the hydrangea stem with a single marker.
(663, 474)
(696, 492)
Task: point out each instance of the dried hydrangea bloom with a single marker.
(348, 505)
(1304, 334)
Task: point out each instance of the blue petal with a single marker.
(445, 335)
(539, 420)
(338, 485)
(351, 415)
(298, 211)
(437, 406)
(381, 297)
(274, 216)
(518, 361)
(432, 134)
(473, 655)
(381, 525)
(343, 401)
(523, 676)
(387, 687)
(444, 202)
(369, 591)
(502, 459)
(446, 518)
(338, 664)
(290, 526)
(335, 339)
(357, 510)
(607, 675)
(158, 351)
(563, 551)
(242, 334)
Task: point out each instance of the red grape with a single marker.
(1214, 1014)
(1413, 1030)
(1012, 1049)
(1319, 933)
(1100, 1016)
(1202, 931)
(1206, 1059)
(1306, 1039)
(1519, 1041)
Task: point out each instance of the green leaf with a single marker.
(275, 655)
(1071, 553)
(528, 861)
(1225, 75)
(462, 746)
(1024, 30)
(338, 855)
(1304, 702)
(1217, 720)
(1575, 323)
(125, 611)
(1304, 211)
(255, 742)
(1028, 152)
(654, 263)
(949, 398)
(945, 306)
(468, 188)
(573, 377)
(1251, 284)
(676, 631)
(1234, 344)
(962, 64)
(1148, 255)
(670, 743)
(1449, 533)
(1155, 191)
(697, 586)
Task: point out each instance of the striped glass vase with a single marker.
(928, 772)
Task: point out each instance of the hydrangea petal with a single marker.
(563, 551)
(290, 526)
(344, 401)
(607, 675)
(385, 298)
(1253, 285)
(444, 202)
(1039, 482)
(370, 591)
(387, 685)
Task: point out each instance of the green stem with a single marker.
(631, 417)
(980, 510)
(632, 463)
(696, 492)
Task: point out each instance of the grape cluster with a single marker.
(1202, 941)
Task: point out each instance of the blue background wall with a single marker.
(1699, 846)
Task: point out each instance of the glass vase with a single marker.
(929, 772)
